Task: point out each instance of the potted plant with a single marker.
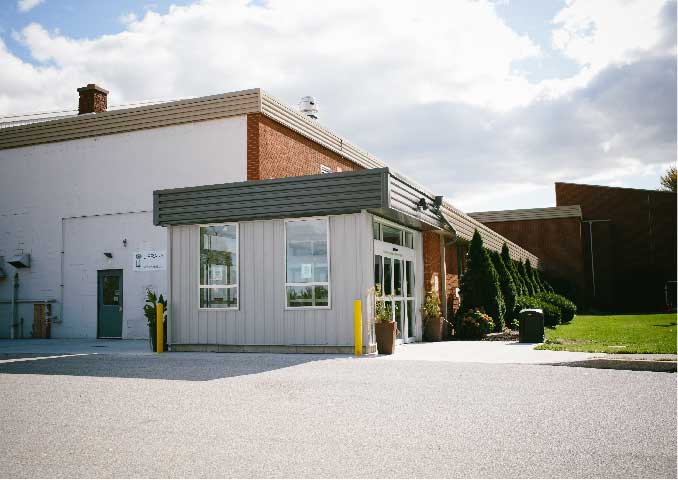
(152, 301)
(384, 326)
(433, 320)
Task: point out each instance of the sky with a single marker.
(486, 102)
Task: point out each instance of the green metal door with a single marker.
(109, 321)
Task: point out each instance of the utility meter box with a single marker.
(20, 261)
(531, 325)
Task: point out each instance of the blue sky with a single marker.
(487, 102)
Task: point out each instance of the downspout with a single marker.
(15, 288)
(169, 288)
(593, 270)
(443, 279)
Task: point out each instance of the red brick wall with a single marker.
(556, 241)
(640, 240)
(275, 151)
(431, 247)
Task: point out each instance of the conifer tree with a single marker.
(532, 276)
(511, 267)
(529, 286)
(479, 286)
(508, 288)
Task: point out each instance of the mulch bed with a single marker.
(505, 336)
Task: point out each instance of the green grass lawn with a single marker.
(614, 334)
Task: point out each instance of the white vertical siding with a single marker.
(262, 318)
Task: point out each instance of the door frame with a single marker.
(384, 250)
(100, 274)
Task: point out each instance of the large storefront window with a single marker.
(307, 281)
(219, 266)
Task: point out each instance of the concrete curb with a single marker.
(622, 364)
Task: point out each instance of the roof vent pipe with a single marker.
(308, 107)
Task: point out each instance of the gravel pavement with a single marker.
(252, 415)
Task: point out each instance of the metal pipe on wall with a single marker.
(15, 289)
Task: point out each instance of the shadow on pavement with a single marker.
(635, 365)
(169, 366)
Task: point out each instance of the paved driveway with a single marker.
(265, 415)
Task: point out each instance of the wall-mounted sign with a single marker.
(149, 260)
(306, 270)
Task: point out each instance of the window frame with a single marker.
(309, 284)
(237, 254)
(403, 229)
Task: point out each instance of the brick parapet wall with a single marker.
(275, 151)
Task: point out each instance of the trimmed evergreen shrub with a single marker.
(508, 288)
(529, 286)
(479, 285)
(567, 309)
(532, 276)
(513, 271)
(552, 313)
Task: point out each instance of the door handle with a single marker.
(120, 308)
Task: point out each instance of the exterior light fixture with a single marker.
(422, 204)
(108, 254)
(124, 242)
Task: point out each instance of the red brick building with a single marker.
(616, 245)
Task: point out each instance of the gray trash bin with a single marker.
(531, 325)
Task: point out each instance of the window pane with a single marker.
(391, 234)
(398, 310)
(387, 276)
(299, 296)
(410, 318)
(378, 280)
(218, 255)
(409, 240)
(111, 289)
(409, 277)
(307, 260)
(376, 230)
(322, 298)
(219, 297)
(397, 277)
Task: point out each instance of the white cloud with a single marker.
(598, 33)
(26, 5)
(429, 86)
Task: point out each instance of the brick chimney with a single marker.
(93, 99)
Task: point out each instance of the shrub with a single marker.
(475, 324)
(431, 307)
(529, 286)
(508, 288)
(513, 271)
(567, 308)
(533, 276)
(479, 286)
(552, 313)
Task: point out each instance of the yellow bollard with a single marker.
(160, 341)
(358, 327)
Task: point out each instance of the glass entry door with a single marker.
(394, 271)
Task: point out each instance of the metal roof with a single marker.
(227, 105)
(527, 214)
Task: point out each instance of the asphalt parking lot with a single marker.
(266, 415)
